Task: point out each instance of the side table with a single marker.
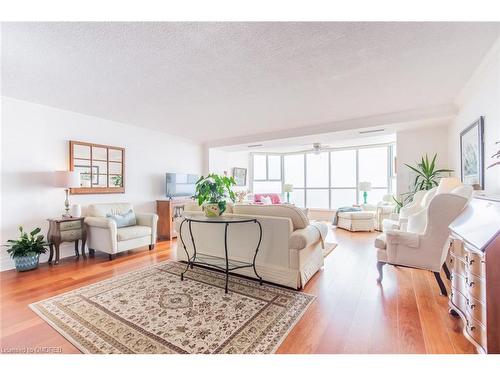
(70, 229)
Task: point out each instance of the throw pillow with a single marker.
(266, 200)
(126, 220)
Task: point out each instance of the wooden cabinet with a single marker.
(168, 211)
(474, 263)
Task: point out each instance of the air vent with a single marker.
(371, 131)
(253, 146)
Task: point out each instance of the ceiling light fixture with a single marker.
(371, 131)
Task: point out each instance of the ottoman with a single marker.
(359, 221)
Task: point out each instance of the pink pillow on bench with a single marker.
(275, 198)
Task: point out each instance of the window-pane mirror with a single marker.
(101, 168)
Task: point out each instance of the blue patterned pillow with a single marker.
(125, 220)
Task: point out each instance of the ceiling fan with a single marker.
(317, 147)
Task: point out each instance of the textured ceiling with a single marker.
(208, 81)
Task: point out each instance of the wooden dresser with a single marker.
(167, 211)
(474, 264)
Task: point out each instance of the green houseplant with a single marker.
(27, 249)
(427, 176)
(212, 193)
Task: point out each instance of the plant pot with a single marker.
(212, 210)
(26, 263)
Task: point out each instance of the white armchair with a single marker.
(426, 249)
(399, 221)
(104, 235)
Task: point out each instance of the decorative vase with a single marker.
(212, 210)
(76, 210)
(26, 263)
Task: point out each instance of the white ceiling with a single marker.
(209, 81)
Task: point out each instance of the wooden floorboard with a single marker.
(351, 314)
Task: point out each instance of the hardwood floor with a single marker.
(352, 313)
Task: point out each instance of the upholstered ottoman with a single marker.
(358, 221)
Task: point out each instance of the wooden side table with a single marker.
(66, 230)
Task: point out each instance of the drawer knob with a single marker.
(471, 262)
(472, 328)
(472, 283)
(472, 306)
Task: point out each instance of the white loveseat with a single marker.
(290, 252)
(103, 234)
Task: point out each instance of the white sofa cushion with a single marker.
(129, 233)
(104, 209)
(295, 214)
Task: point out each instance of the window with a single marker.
(328, 179)
(267, 173)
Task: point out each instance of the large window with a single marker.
(267, 173)
(328, 179)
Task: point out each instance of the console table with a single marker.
(66, 230)
(215, 262)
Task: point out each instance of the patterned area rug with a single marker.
(152, 311)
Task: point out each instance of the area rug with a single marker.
(152, 311)
(329, 247)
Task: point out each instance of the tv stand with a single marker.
(168, 210)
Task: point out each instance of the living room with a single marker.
(250, 187)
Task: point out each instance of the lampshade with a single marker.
(67, 179)
(387, 198)
(447, 184)
(287, 188)
(365, 186)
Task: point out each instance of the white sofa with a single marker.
(103, 234)
(290, 252)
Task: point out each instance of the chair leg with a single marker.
(437, 275)
(112, 256)
(446, 271)
(152, 246)
(380, 269)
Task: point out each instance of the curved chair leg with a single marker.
(446, 271)
(380, 269)
(437, 275)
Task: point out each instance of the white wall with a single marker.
(415, 143)
(35, 143)
(480, 97)
(220, 161)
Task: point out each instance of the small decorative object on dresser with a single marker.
(62, 230)
(474, 263)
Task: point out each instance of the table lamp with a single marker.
(365, 186)
(67, 180)
(288, 188)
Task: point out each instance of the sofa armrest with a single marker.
(100, 222)
(302, 238)
(148, 220)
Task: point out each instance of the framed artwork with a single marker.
(240, 176)
(472, 154)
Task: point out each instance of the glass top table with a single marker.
(222, 264)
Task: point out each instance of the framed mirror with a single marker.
(101, 167)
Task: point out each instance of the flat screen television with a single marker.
(181, 185)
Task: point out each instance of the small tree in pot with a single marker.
(27, 249)
(213, 192)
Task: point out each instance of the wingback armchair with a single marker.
(426, 249)
(104, 235)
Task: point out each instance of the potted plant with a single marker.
(212, 193)
(27, 249)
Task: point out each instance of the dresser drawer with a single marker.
(69, 225)
(459, 300)
(476, 287)
(71, 235)
(477, 310)
(457, 248)
(459, 283)
(475, 263)
(477, 332)
(458, 266)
